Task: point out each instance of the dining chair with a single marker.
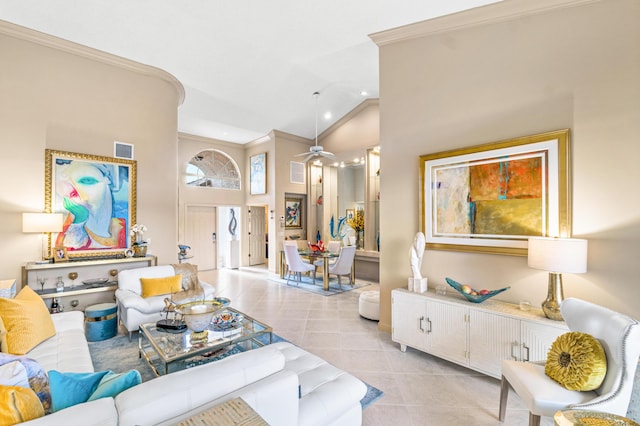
(344, 263)
(620, 339)
(295, 264)
(332, 247)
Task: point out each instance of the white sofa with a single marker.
(133, 309)
(281, 382)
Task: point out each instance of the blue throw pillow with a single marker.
(112, 384)
(69, 389)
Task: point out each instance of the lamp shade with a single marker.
(41, 222)
(558, 254)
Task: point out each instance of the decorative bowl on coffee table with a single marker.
(197, 315)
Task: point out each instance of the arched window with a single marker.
(213, 169)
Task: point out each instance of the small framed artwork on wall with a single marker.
(258, 174)
(293, 212)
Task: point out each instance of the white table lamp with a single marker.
(43, 223)
(557, 255)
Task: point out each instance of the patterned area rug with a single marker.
(307, 284)
(121, 355)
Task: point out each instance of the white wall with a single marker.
(472, 78)
(62, 96)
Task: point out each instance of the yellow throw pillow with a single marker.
(158, 286)
(18, 404)
(577, 361)
(3, 337)
(27, 321)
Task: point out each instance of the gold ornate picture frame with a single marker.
(97, 197)
(491, 198)
(294, 210)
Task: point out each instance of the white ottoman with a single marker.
(369, 305)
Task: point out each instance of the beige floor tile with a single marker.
(419, 389)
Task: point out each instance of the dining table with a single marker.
(314, 255)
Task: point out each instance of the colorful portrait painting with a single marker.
(493, 197)
(96, 195)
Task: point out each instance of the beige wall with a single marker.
(71, 98)
(486, 79)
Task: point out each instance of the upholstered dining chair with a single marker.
(332, 247)
(619, 336)
(343, 264)
(295, 264)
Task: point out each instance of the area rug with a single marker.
(121, 355)
(307, 284)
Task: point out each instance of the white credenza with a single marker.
(476, 335)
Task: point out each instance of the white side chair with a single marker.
(344, 263)
(295, 265)
(332, 247)
(620, 338)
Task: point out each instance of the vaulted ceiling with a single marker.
(248, 66)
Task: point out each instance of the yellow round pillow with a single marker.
(577, 361)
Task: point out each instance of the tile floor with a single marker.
(419, 389)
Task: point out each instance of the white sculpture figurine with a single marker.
(417, 283)
(417, 250)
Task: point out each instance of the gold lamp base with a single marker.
(555, 296)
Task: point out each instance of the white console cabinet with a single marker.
(476, 335)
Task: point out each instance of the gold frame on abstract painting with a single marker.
(491, 198)
(73, 184)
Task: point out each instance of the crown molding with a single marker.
(46, 40)
(504, 10)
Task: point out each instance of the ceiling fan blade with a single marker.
(309, 157)
(301, 154)
(327, 154)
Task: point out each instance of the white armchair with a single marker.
(133, 309)
(620, 338)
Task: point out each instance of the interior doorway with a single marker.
(257, 235)
(201, 236)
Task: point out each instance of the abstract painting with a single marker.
(492, 197)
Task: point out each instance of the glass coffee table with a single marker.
(166, 351)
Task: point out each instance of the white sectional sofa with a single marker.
(281, 382)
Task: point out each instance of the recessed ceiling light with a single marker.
(364, 93)
(327, 115)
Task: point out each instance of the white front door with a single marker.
(257, 239)
(200, 234)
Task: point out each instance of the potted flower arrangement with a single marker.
(357, 223)
(139, 243)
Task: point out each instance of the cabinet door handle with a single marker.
(525, 347)
(429, 321)
(420, 320)
(513, 346)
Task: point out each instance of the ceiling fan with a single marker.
(316, 150)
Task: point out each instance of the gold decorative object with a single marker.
(72, 277)
(556, 255)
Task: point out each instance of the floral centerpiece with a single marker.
(357, 223)
(139, 242)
